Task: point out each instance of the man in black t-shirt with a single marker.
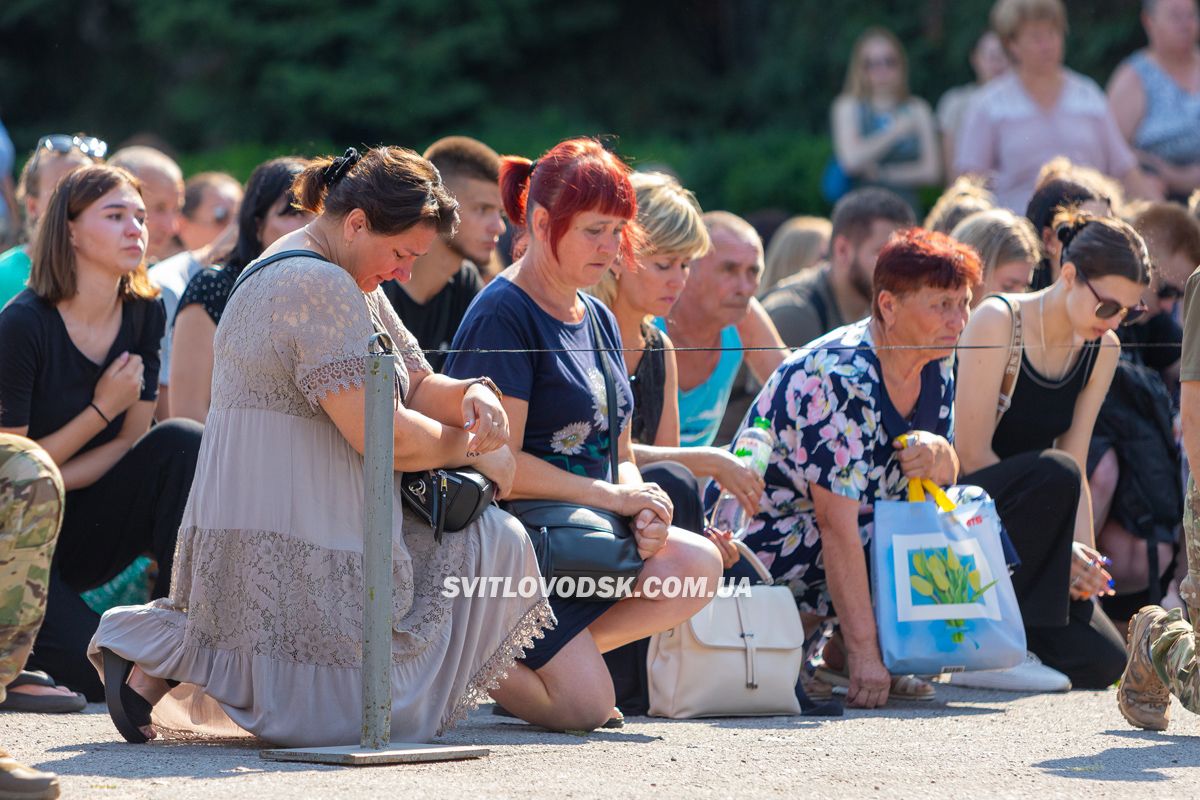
(839, 292)
(445, 280)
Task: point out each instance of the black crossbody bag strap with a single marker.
(610, 391)
(257, 265)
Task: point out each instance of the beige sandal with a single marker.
(904, 687)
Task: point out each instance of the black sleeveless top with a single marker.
(1042, 409)
(648, 382)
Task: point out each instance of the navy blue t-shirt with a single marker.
(567, 424)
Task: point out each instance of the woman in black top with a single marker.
(673, 234)
(79, 374)
(1031, 459)
(267, 213)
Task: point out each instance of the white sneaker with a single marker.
(1030, 676)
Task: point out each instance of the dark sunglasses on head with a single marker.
(1107, 308)
(64, 143)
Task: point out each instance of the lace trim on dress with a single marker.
(531, 626)
(337, 376)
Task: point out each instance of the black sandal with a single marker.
(128, 709)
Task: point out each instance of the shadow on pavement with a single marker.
(1131, 764)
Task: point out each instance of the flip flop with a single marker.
(904, 687)
(128, 709)
(40, 703)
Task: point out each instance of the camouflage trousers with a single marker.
(1173, 641)
(31, 509)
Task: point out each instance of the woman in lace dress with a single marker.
(263, 626)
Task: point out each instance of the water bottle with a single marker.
(753, 447)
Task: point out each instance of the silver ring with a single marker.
(1074, 581)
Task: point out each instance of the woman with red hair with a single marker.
(541, 340)
(837, 406)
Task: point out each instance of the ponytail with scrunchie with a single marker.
(516, 176)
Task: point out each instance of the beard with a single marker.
(860, 280)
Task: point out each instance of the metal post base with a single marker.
(358, 756)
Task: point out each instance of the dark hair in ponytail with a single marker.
(1101, 246)
(393, 186)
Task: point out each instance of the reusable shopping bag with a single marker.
(944, 601)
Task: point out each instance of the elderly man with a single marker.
(718, 316)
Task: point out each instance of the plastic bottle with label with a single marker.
(753, 447)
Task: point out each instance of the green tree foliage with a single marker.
(733, 94)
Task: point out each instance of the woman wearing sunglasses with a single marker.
(1026, 441)
(882, 135)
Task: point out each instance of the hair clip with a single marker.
(341, 165)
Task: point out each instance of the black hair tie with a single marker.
(1066, 233)
(341, 165)
(532, 166)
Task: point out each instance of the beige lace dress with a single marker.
(263, 627)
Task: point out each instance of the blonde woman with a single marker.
(674, 235)
(1008, 248)
(800, 243)
(882, 135)
(966, 196)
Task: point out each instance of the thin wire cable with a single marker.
(872, 348)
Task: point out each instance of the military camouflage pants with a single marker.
(1173, 641)
(31, 509)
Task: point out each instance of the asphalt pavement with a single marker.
(965, 745)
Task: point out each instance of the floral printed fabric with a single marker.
(553, 366)
(834, 426)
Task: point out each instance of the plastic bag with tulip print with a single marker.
(944, 601)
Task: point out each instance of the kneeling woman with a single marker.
(1030, 459)
(836, 408)
(263, 628)
(79, 375)
(577, 206)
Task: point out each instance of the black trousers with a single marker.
(134, 509)
(1037, 494)
(627, 664)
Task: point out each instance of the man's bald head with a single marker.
(162, 191)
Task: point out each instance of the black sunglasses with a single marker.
(64, 143)
(1107, 308)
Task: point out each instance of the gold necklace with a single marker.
(1045, 352)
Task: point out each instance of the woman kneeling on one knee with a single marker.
(79, 375)
(1030, 457)
(576, 207)
(837, 407)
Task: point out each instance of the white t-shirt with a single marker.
(171, 275)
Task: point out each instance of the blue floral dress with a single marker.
(834, 426)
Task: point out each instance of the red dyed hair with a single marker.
(574, 176)
(916, 258)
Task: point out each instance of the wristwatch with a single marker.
(490, 384)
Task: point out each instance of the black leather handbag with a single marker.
(577, 541)
(447, 499)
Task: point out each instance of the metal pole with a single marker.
(379, 482)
